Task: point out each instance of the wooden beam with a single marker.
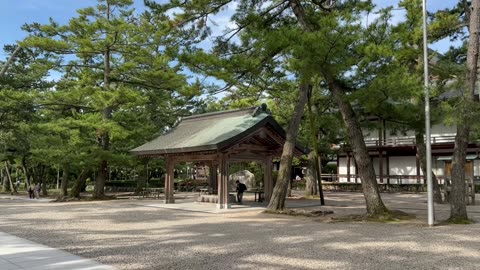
(388, 168)
(247, 157)
(169, 180)
(194, 157)
(417, 165)
(338, 168)
(348, 167)
(251, 147)
(213, 176)
(268, 179)
(223, 183)
(356, 171)
(380, 165)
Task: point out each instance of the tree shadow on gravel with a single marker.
(135, 237)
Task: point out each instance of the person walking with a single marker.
(30, 191)
(240, 189)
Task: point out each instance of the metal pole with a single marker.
(431, 218)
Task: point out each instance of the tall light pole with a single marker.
(431, 218)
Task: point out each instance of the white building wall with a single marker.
(403, 166)
(398, 135)
(436, 131)
(399, 166)
(370, 134)
(376, 165)
(438, 167)
(442, 130)
(342, 169)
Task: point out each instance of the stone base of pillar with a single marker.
(224, 206)
(172, 200)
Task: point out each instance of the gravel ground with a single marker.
(127, 235)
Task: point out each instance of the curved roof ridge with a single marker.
(245, 111)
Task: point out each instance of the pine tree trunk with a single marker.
(375, 206)
(13, 188)
(458, 208)
(25, 172)
(43, 180)
(279, 194)
(65, 180)
(315, 138)
(104, 136)
(99, 189)
(421, 154)
(310, 178)
(142, 178)
(4, 181)
(9, 61)
(79, 183)
(289, 188)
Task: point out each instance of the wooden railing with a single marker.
(390, 179)
(407, 141)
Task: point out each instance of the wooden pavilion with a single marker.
(219, 139)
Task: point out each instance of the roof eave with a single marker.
(161, 152)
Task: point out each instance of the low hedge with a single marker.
(382, 187)
(133, 183)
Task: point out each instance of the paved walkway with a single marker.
(18, 253)
(24, 198)
(188, 202)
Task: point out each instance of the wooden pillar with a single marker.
(417, 164)
(388, 169)
(348, 167)
(268, 179)
(213, 182)
(356, 171)
(169, 176)
(338, 170)
(380, 166)
(380, 133)
(223, 183)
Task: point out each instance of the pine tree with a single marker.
(458, 209)
(119, 83)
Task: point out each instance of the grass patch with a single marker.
(55, 192)
(459, 221)
(390, 216)
(103, 198)
(83, 199)
(66, 199)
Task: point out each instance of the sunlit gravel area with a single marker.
(129, 234)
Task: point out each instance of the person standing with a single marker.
(240, 189)
(30, 191)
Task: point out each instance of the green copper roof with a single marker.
(210, 131)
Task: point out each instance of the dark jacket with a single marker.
(241, 187)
